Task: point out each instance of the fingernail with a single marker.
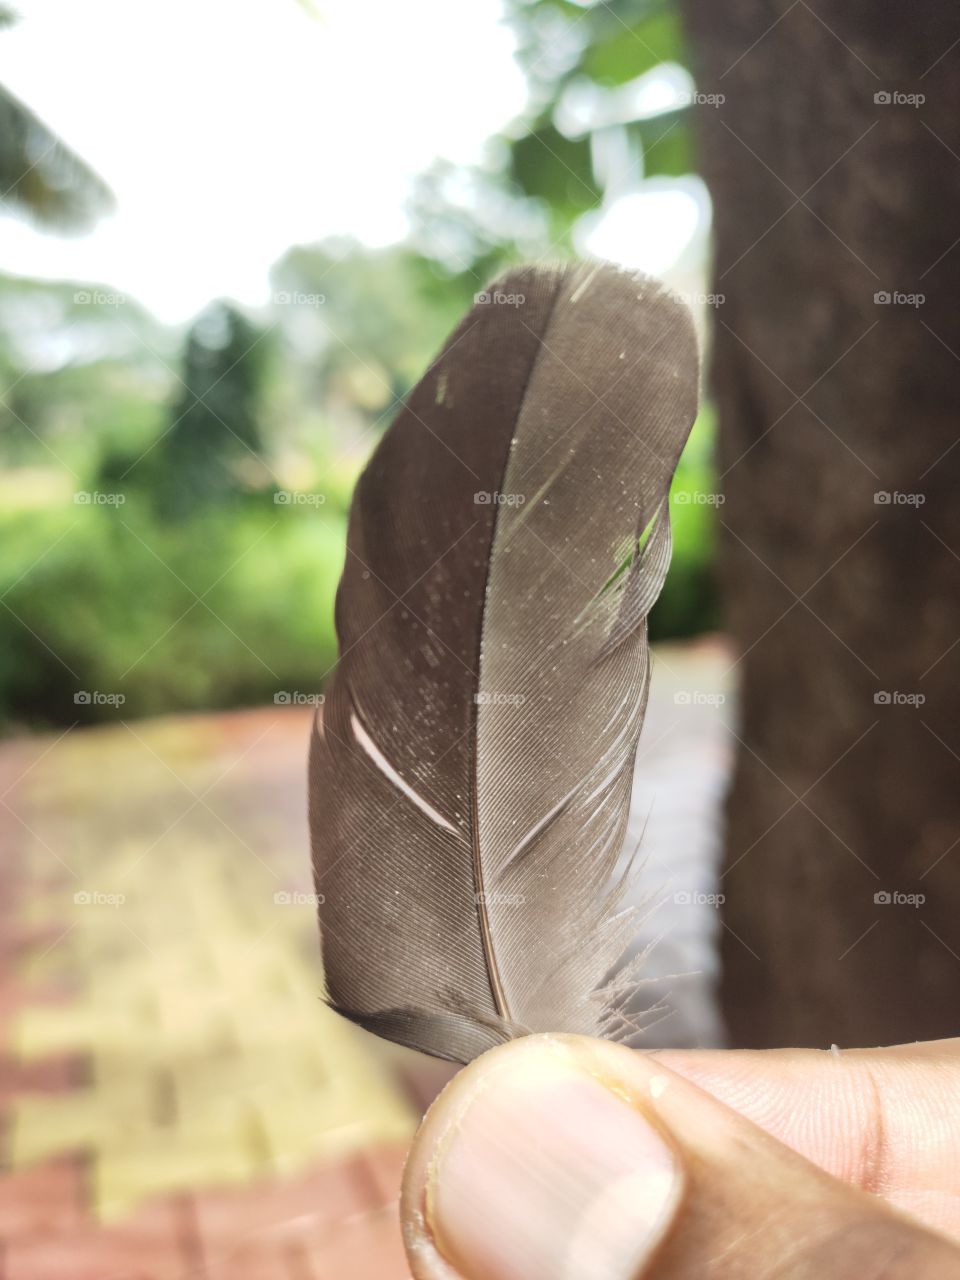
(550, 1177)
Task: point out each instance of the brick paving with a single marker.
(175, 1100)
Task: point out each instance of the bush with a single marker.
(690, 604)
(226, 608)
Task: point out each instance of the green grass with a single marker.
(225, 609)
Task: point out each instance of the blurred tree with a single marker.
(833, 169)
(213, 445)
(41, 178)
(82, 370)
(469, 223)
(609, 97)
(360, 325)
(598, 122)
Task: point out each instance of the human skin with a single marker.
(564, 1158)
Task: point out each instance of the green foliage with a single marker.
(667, 146)
(602, 47)
(627, 51)
(689, 603)
(41, 178)
(229, 607)
(359, 326)
(557, 170)
(214, 421)
(83, 370)
(162, 570)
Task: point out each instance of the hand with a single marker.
(564, 1158)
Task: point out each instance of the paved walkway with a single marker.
(175, 1100)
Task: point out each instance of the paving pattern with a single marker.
(175, 1100)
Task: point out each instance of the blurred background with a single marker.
(231, 239)
(225, 260)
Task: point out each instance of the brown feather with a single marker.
(470, 777)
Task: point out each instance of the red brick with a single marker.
(46, 1075)
(42, 1200)
(256, 1262)
(383, 1170)
(23, 940)
(369, 1247)
(147, 1246)
(14, 997)
(366, 1246)
(17, 995)
(319, 1200)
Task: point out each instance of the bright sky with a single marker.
(230, 130)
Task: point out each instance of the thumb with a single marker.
(563, 1158)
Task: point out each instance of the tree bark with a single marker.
(839, 421)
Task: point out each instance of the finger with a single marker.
(886, 1120)
(562, 1158)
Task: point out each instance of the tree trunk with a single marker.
(839, 417)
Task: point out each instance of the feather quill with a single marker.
(470, 776)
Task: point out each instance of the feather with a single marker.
(470, 776)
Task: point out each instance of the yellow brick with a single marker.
(52, 1124)
(299, 1134)
(159, 1164)
(46, 1031)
